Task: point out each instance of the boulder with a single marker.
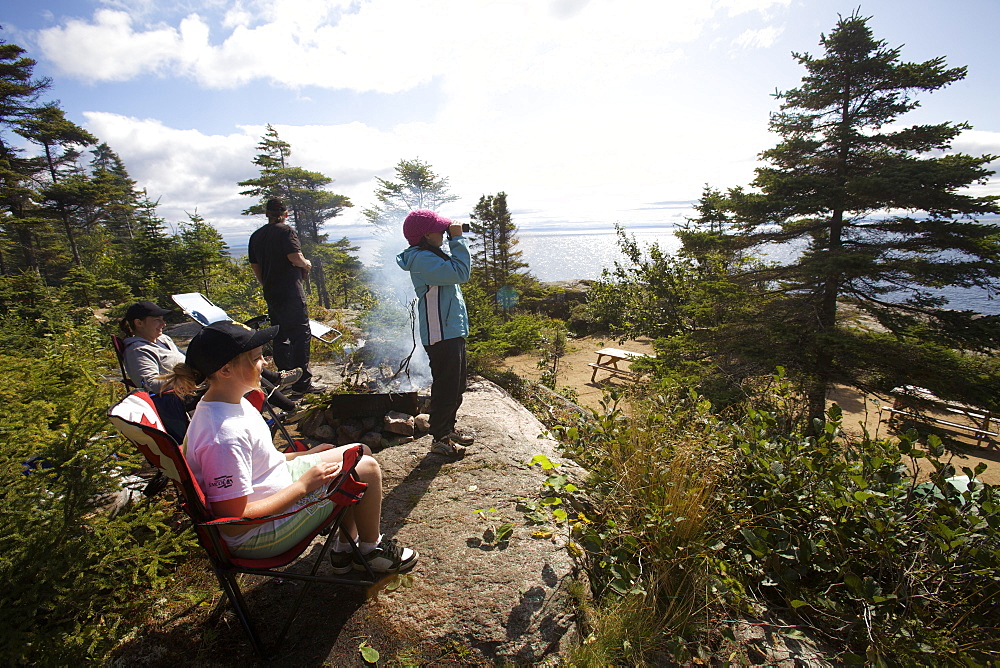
(422, 422)
(324, 433)
(372, 439)
(349, 432)
(398, 423)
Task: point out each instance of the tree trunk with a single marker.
(27, 248)
(70, 237)
(319, 276)
(827, 316)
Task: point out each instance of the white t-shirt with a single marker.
(231, 454)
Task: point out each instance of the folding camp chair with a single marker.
(177, 419)
(136, 418)
(201, 309)
(119, 345)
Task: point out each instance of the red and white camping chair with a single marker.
(136, 418)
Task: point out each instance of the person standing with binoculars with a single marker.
(442, 317)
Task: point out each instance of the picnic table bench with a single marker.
(608, 359)
(908, 399)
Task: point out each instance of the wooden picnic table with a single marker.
(608, 359)
(909, 400)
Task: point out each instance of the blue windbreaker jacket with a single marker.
(436, 278)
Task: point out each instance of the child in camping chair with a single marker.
(229, 449)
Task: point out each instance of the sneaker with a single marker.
(311, 388)
(447, 447)
(342, 562)
(156, 484)
(388, 557)
(461, 437)
(288, 377)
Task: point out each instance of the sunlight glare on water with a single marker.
(574, 255)
(560, 257)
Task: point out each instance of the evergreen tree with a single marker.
(109, 173)
(883, 218)
(19, 93)
(343, 269)
(304, 192)
(272, 151)
(61, 140)
(494, 249)
(417, 186)
(202, 252)
(152, 255)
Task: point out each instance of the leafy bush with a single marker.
(693, 517)
(844, 535)
(76, 577)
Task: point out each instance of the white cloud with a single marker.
(979, 143)
(758, 39)
(737, 7)
(385, 46)
(184, 169)
(108, 49)
(579, 110)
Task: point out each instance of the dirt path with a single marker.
(862, 412)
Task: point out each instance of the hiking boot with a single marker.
(288, 378)
(342, 562)
(461, 437)
(447, 447)
(388, 557)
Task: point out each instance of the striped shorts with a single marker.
(277, 536)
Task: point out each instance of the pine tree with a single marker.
(68, 192)
(272, 151)
(202, 252)
(19, 93)
(111, 176)
(152, 255)
(883, 218)
(304, 192)
(494, 249)
(417, 186)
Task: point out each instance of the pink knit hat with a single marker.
(421, 222)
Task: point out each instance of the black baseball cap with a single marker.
(144, 309)
(218, 343)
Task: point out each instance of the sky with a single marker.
(586, 113)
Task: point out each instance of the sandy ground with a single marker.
(860, 411)
(573, 370)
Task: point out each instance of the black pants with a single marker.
(291, 346)
(448, 373)
(268, 382)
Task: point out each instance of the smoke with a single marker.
(393, 346)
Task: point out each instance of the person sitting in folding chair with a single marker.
(149, 354)
(229, 450)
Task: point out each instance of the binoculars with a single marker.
(465, 228)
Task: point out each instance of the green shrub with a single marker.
(842, 534)
(647, 541)
(698, 519)
(76, 577)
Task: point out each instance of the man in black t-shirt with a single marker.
(276, 259)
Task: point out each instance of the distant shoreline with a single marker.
(583, 255)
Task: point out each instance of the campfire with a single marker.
(371, 406)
